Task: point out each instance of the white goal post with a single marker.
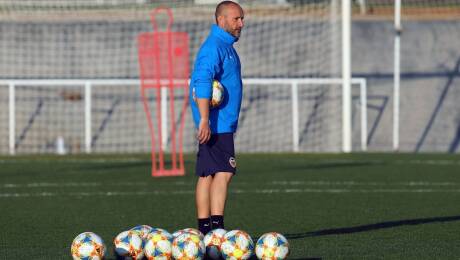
(87, 87)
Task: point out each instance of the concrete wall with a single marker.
(430, 83)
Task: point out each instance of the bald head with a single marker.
(223, 6)
(229, 16)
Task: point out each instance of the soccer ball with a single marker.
(88, 245)
(128, 245)
(163, 232)
(158, 246)
(237, 245)
(188, 247)
(213, 241)
(142, 230)
(217, 94)
(272, 246)
(189, 231)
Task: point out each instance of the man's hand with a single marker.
(204, 132)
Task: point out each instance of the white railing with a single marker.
(88, 85)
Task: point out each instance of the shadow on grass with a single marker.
(371, 227)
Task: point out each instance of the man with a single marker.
(216, 164)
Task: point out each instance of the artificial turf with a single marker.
(329, 206)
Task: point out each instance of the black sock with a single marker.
(204, 225)
(217, 221)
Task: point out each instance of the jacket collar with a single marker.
(223, 35)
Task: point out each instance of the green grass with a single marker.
(357, 206)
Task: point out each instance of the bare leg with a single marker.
(203, 187)
(218, 192)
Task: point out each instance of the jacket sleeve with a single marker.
(206, 68)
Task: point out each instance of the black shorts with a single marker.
(217, 155)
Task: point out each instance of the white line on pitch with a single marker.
(237, 191)
(84, 184)
(137, 160)
(75, 160)
(184, 183)
(355, 183)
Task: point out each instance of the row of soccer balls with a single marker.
(156, 243)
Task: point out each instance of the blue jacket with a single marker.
(217, 59)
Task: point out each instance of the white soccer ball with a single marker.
(158, 246)
(272, 246)
(128, 245)
(213, 241)
(237, 245)
(142, 230)
(188, 247)
(189, 231)
(88, 245)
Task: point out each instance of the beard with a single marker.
(235, 32)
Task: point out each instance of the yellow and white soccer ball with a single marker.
(237, 245)
(164, 232)
(188, 247)
(213, 241)
(272, 246)
(158, 246)
(217, 94)
(88, 245)
(189, 231)
(128, 245)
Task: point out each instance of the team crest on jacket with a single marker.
(232, 162)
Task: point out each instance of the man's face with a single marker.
(232, 20)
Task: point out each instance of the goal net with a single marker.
(69, 74)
